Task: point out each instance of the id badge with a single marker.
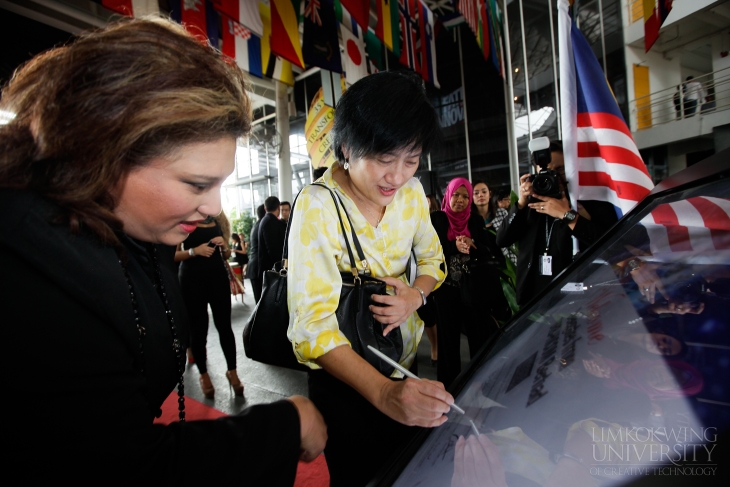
(546, 265)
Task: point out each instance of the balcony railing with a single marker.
(636, 10)
(704, 94)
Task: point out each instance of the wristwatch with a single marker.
(569, 216)
(191, 251)
(423, 295)
(633, 264)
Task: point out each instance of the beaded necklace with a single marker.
(176, 345)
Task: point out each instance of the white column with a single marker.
(514, 163)
(282, 126)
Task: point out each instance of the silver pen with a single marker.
(406, 372)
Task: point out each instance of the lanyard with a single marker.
(548, 235)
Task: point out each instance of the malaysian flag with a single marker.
(602, 161)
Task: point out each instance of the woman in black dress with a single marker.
(240, 252)
(204, 281)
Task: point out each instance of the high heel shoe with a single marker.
(207, 386)
(234, 382)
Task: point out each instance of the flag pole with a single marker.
(603, 37)
(559, 122)
(463, 101)
(514, 163)
(527, 80)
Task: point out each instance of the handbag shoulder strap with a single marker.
(363, 261)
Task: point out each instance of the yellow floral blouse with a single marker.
(317, 254)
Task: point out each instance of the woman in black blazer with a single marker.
(119, 146)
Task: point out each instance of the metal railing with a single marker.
(702, 95)
(636, 10)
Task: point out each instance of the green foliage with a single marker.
(241, 223)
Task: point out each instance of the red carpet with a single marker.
(313, 474)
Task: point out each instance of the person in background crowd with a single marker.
(317, 173)
(97, 192)
(204, 282)
(484, 204)
(694, 96)
(285, 211)
(252, 270)
(472, 284)
(543, 230)
(433, 203)
(501, 200)
(271, 233)
(240, 252)
(382, 126)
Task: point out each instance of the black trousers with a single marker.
(453, 317)
(199, 292)
(257, 284)
(361, 439)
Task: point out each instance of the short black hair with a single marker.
(271, 203)
(383, 113)
(235, 237)
(689, 78)
(260, 211)
(556, 146)
(318, 173)
(285, 203)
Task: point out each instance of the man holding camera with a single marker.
(542, 223)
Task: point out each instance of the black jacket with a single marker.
(271, 242)
(252, 271)
(75, 362)
(528, 228)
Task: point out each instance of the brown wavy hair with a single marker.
(89, 112)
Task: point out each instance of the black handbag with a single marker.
(265, 334)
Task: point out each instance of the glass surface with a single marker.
(619, 371)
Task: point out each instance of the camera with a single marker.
(211, 244)
(545, 182)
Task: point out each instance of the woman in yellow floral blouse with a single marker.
(383, 124)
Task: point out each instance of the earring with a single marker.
(346, 166)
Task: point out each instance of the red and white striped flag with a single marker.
(699, 224)
(602, 161)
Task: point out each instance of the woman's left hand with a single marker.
(395, 310)
(554, 207)
(464, 244)
(219, 242)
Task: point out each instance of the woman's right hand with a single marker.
(415, 402)
(203, 250)
(313, 430)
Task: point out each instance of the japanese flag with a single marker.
(354, 60)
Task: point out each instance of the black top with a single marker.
(486, 250)
(204, 267)
(531, 229)
(87, 404)
(241, 259)
(271, 233)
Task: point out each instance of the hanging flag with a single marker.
(241, 44)
(409, 29)
(285, 32)
(655, 13)
(320, 45)
(388, 27)
(496, 44)
(374, 49)
(428, 44)
(355, 61)
(132, 8)
(272, 66)
(602, 161)
(198, 17)
(360, 12)
(245, 12)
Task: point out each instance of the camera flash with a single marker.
(540, 143)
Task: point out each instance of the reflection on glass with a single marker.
(618, 373)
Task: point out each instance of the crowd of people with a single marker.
(138, 248)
